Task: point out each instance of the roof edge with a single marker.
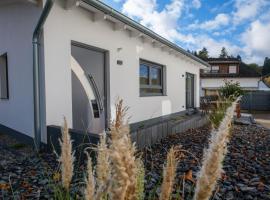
(123, 18)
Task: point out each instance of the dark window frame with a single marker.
(7, 80)
(162, 85)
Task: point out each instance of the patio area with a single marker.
(263, 119)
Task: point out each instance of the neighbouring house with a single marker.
(228, 69)
(74, 58)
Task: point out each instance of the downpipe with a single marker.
(36, 72)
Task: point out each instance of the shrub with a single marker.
(231, 90)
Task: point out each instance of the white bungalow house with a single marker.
(75, 58)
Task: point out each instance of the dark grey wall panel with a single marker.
(256, 101)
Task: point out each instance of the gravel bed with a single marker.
(26, 175)
(246, 166)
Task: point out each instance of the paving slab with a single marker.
(263, 119)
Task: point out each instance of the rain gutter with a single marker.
(36, 72)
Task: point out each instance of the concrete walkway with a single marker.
(263, 119)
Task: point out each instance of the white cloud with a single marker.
(219, 21)
(213, 46)
(139, 8)
(247, 9)
(196, 4)
(256, 40)
(221, 7)
(163, 22)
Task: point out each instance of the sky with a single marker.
(241, 26)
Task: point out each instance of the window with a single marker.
(151, 79)
(232, 69)
(207, 70)
(215, 69)
(3, 77)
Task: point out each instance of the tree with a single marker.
(223, 53)
(239, 57)
(256, 67)
(203, 53)
(231, 89)
(266, 66)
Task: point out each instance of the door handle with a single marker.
(96, 92)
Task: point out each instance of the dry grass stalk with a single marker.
(122, 151)
(168, 175)
(103, 166)
(140, 179)
(119, 127)
(213, 157)
(103, 170)
(67, 157)
(90, 182)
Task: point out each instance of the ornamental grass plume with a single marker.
(89, 191)
(211, 169)
(119, 127)
(103, 166)
(168, 176)
(66, 158)
(123, 161)
(140, 179)
(103, 171)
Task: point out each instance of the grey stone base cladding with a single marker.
(81, 140)
(23, 138)
(148, 135)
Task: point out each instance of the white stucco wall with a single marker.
(63, 26)
(16, 27)
(246, 83)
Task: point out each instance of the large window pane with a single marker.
(151, 79)
(155, 74)
(144, 75)
(3, 77)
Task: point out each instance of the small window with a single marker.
(215, 69)
(3, 77)
(151, 79)
(232, 69)
(207, 70)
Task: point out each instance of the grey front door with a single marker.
(190, 93)
(88, 89)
